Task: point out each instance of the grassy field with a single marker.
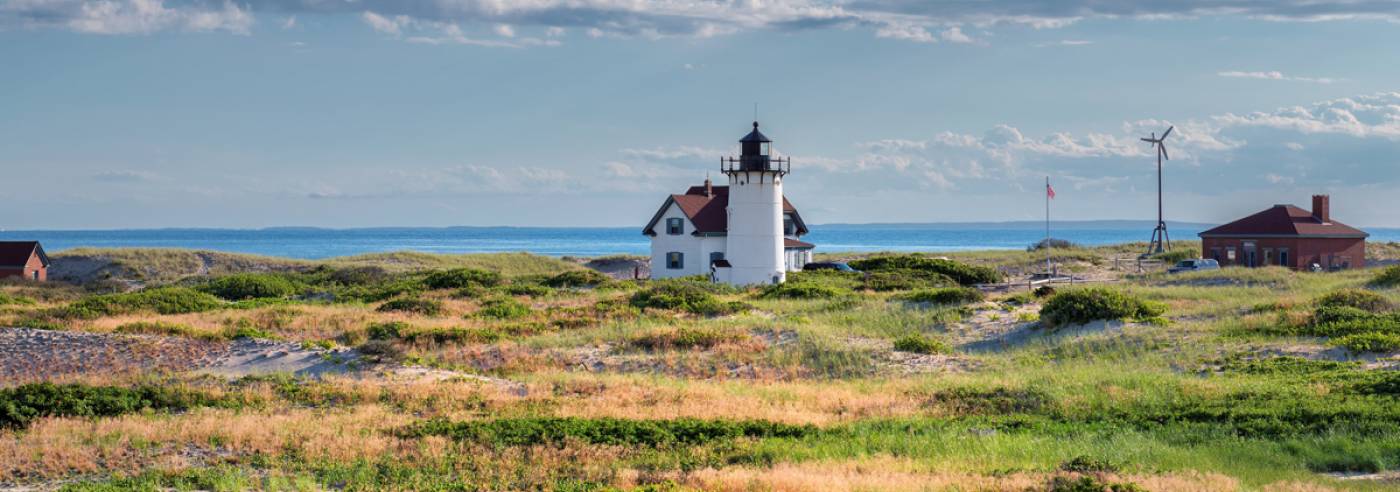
(539, 375)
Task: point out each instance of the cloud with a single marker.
(1348, 142)
(955, 35)
(290, 22)
(124, 176)
(126, 16)
(438, 33)
(1064, 42)
(894, 19)
(1274, 75)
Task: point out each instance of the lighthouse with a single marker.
(742, 233)
(754, 244)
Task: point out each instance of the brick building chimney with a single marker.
(1322, 208)
(709, 188)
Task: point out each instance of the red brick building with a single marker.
(1289, 236)
(24, 259)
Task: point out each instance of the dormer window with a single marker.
(675, 226)
(789, 228)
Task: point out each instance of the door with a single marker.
(1250, 255)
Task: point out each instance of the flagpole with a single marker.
(1047, 225)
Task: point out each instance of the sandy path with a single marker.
(28, 355)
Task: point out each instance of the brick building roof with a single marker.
(15, 254)
(1284, 220)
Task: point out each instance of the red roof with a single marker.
(706, 213)
(795, 244)
(1284, 220)
(17, 253)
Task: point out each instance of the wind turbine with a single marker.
(1159, 235)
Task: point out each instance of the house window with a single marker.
(1230, 253)
(675, 261)
(716, 256)
(1215, 254)
(675, 226)
(788, 227)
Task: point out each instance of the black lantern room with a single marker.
(755, 155)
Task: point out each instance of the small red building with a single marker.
(24, 259)
(1288, 236)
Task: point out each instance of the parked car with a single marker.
(1194, 265)
(829, 265)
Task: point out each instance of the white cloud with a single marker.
(289, 23)
(505, 30)
(955, 35)
(384, 24)
(911, 21)
(1274, 75)
(144, 17)
(1064, 42)
(124, 176)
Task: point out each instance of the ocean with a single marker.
(312, 243)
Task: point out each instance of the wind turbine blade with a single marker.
(1165, 133)
(1164, 151)
(1148, 140)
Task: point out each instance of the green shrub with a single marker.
(525, 290)
(830, 278)
(459, 335)
(921, 344)
(389, 330)
(1085, 464)
(240, 286)
(802, 290)
(1051, 243)
(684, 338)
(9, 300)
(22, 404)
(1090, 484)
(245, 328)
(945, 296)
(163, 300)
(1390, 277)
(962, 273)
(426, 307)
(1369, 342)
(577, 278)
(1000, 400)
(905, 279)
(528, 431)
(1285, 366)
(163, 328)
(461, 277)
(503, 308)
(683, 296)
(1080, 306)
(1364, 300)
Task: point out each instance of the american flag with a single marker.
(1050, 192)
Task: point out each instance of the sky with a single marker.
(354, 113)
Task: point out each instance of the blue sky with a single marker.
(143, 113)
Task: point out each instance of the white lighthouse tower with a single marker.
(754, 245)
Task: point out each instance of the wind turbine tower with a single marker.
(1160, 241)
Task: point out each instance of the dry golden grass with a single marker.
(893, 474)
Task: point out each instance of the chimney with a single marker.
(709, 190)
(1322, 208)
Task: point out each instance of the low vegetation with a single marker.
(962, 273)
(1079, 306)
(945, 296)
(511, 372)
(921, 344)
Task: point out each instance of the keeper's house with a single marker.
(1288, 236)
(23, 259)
